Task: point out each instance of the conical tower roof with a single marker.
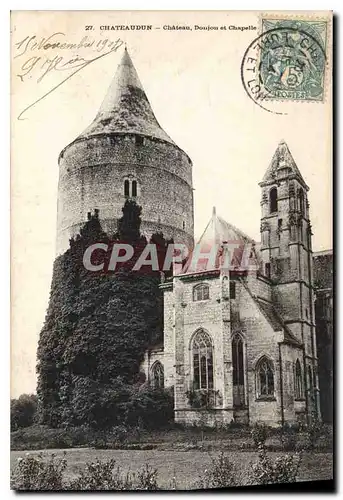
(282, 159)
(126, 108)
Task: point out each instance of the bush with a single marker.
(41, 473)
(101, 406)
(149, 408)
(96, 405)
(102, 475)
(34, 473)
(259, 434)
(23, 411)
(202, 398)
(283, 469)
(38, 472)
(313, 431)
(289, 437)
(326, 439)
(119, 434)
(173, 484)
(147, 478)
(221, 474)
(37, 437)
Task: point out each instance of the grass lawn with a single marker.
(185, 466)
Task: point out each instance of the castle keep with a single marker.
(124, 154)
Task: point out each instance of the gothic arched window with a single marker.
(202, 356)
(157, 375)
(134, 188)
(264, 378)
(201, 292)
(273, 200)
(298, 381)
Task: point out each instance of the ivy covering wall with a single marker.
(97, 328)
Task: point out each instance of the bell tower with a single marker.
(286, 252)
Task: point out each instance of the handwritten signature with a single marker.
(43, 64)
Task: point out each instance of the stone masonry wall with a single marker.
(92, 174)
(260, 340)
(169, 336)
(191, 316)
(294, 409)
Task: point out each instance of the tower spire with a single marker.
(281, 165)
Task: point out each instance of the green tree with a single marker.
(23, 411)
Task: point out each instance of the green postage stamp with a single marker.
(293, 54)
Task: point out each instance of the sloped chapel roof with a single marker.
(275, 320)
(126, 108)
(219, 232)
(281, 159)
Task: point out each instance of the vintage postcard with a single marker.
(172, 255)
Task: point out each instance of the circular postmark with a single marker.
(283, 65)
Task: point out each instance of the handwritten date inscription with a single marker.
(39, 57)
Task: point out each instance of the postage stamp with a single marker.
(295, 69)
(286, 62)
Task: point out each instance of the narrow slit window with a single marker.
(279, 227)
(126, 187)
(273, 200)
(267, 269)
(139, 140)
(301, 201)
(298, 381)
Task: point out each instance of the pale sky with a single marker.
(193, 82)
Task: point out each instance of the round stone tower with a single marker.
(125, 154)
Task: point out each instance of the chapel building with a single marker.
(240, 340)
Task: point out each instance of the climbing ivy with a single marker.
(98, 324)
